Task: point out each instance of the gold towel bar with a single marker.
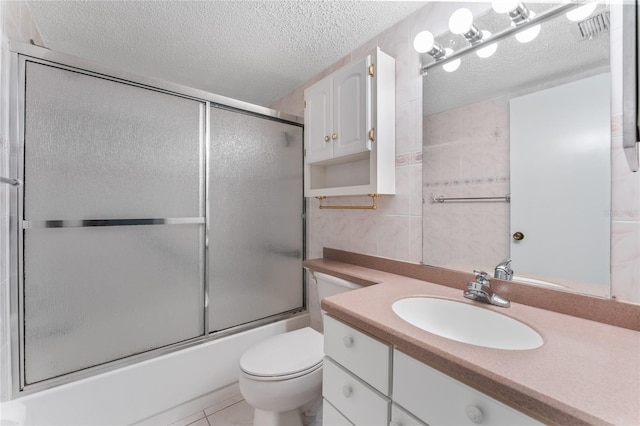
(373, 205)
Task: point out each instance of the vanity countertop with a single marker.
(586, 372)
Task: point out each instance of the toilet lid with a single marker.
(284, 354)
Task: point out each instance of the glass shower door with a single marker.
(255, 218)
(113, 220)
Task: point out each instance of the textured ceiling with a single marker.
(557, 55)
(255, 51)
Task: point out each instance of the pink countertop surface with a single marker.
(586, 372)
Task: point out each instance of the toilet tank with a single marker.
(329, 285)
(325, 286)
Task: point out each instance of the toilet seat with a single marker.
(285, 356)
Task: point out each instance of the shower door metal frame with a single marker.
(20, 54)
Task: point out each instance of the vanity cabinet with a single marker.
(350, 130)
(437, 399)
(356, 375)
(366, 382)
(400, 417)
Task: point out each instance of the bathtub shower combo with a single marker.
(152, 217)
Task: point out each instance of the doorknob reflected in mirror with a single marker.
(518, 236)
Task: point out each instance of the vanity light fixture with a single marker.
(519, 13)
(453, 65)
(516, 10)
(461, 22)
(529, 34)
(485, 52)
(525, 25)
(424, 42)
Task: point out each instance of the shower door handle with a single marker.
(12, 182)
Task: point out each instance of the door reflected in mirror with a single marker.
(516, 151)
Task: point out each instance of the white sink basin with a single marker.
(463, 322)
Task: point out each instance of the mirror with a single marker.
(516, 152)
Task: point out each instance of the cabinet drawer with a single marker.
(332, 417)
(437, 399)
(365, 356)
(399, 417)
(353, 398)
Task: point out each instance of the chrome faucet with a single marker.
(503, 271)
(480, 290)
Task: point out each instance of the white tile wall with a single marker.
(467, 155)
(394, 230)
(354, 231)
(625, 187)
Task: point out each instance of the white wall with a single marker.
(625, 187)
(395, 230)
(561, 172)
(466, 154)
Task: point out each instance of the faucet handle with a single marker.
(481, 275)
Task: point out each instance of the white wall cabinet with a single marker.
(350, 130)
(338, 114)
(412, 393)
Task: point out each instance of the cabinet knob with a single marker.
(347, 341)
(518, 236)
(334, 136)
(347, 391)
(327, 138)
(475, 414)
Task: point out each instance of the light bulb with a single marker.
(485, 52)
(504, 6)
(582, 12)
(461, 21)
(423, 42)
(453, 65)
(530, 33)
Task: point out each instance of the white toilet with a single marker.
(283, 373)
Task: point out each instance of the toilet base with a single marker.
(270, 418)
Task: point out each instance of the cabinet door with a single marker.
(400, 417)
(363, 355)
(352, 109)
(438, 399)
(353, 398)
(317, 119)
(332, 417)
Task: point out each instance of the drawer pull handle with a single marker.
(475, 414)
(347, 391)
(347, 341)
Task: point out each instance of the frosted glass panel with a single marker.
(255, 199)
(99, 149)
(93, 295)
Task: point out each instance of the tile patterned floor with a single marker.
(232, 412)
